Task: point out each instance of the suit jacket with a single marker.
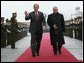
(34, 24)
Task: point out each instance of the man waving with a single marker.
(37, 26)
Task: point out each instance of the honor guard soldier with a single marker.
(8, 31)
(14, 29)
(3, 33)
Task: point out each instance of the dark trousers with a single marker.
(13, 42)
(56, 47)
(57, 43)
(13, 39)
(35, 42)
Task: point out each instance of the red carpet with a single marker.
(46, 53)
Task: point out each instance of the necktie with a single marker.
(36, 16)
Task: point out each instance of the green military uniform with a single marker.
(3, 34)
(14, 27)
(8, 27)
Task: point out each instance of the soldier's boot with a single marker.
(13, 46)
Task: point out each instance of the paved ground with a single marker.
(75, 47)
(10, 55)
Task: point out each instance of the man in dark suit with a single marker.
(37, 26)
(57, 27)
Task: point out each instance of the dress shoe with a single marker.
(13, 48)
(55, 53)
(33, 55)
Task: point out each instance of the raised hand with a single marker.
(26, 14)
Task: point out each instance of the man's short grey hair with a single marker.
(55, 7)
(36, 4)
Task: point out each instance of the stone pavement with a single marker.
(75, 47)
(10, 55)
